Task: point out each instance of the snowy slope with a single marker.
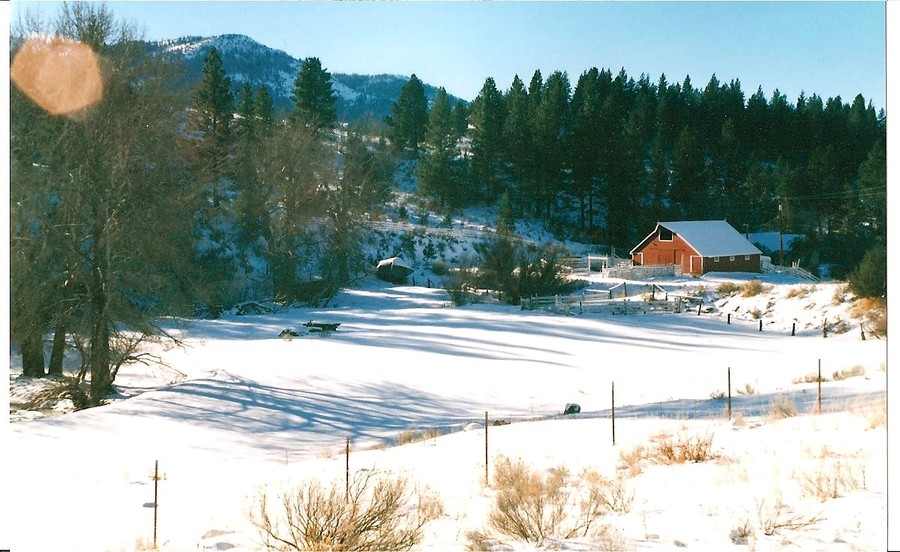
(238, 410)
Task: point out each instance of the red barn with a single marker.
(699, 246)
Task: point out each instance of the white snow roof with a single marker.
(393, 261)
(710, 238)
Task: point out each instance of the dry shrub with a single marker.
(631, 460)
(378, 513)
(800, 292)
(682, 449)
(64, 388)
(747, 389)
(727, 288)
(535, 507)
(742, 533)
(833, 478)
(809, 378)
(841, 295)
(848, 373)
(613, 494)
(774, 515)
(754, 288)
(874, 311)
(610, 539)
(876, 413)
(718, 395)
(479, 541)
(782, 408)
(414, 435)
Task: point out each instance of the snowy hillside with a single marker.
(237, 410)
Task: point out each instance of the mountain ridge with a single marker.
(246, 60)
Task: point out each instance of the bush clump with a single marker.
(376, 513)
(534, 507)
(754, 288)
(870, 277)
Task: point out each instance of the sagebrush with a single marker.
(534, 506)
(377, 512)
(682, 448)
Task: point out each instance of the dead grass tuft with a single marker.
(782, 408)
(809, 378)
(833, 478)
(848, 373)
(63, 389)
(727, 288)
(414, 435)
(774, 515)
(799, 292)
(682, 449)
(631, 459)
(754, 288)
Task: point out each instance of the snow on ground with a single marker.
(237, 410)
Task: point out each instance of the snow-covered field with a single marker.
(238, 410)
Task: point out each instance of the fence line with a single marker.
(484, 233)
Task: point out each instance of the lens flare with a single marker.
(60, 75)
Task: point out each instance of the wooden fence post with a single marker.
(825, 328)
(729, 318)
(155, 498)
(760, 324)
(862, 333)
(614, 413)
(486, 448)
(347, 470)
(793, 329)
(819, 394)
(729, 392)
(700, 306)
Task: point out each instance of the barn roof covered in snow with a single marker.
(709, 238)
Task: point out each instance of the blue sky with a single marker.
(828, 48)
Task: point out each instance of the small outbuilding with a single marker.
(698, 246)
(393, 270)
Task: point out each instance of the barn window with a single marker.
(665, 234)
(715, 259)
(731, 258)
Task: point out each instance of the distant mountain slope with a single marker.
(246, 60)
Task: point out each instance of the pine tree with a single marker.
(437, 171)
(461, 119)
(870, 277)
(409, 117)
(487, 135)
(553, 128)
(213, 115)
(313, 96)
(506, 219)
(586, 109)
(264, 108)
(517, 137)
(688, 186)
(246, 110)
(872, 191)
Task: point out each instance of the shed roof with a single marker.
(710, 238)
